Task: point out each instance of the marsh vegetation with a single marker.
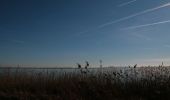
(141, 83)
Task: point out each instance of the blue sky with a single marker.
(64, 32)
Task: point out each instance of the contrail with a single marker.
(136, 14)
(145, 25)
(126, 3)
(141, 36)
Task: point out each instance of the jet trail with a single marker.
(126, 3)
(136, 14)
(145, 25)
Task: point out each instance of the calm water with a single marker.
(124, 72)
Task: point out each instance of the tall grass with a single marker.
(145, 83)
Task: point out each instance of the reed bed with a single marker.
(144, 83)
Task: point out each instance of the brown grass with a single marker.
(106, 86)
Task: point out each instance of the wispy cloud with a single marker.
(150, 24)
(126, 3)
(18, 41)
(147, 48)
(167, 45)
(81, 33)
(136, 14)
(141, 36)
(128, 17)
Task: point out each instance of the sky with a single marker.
(61, 33)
